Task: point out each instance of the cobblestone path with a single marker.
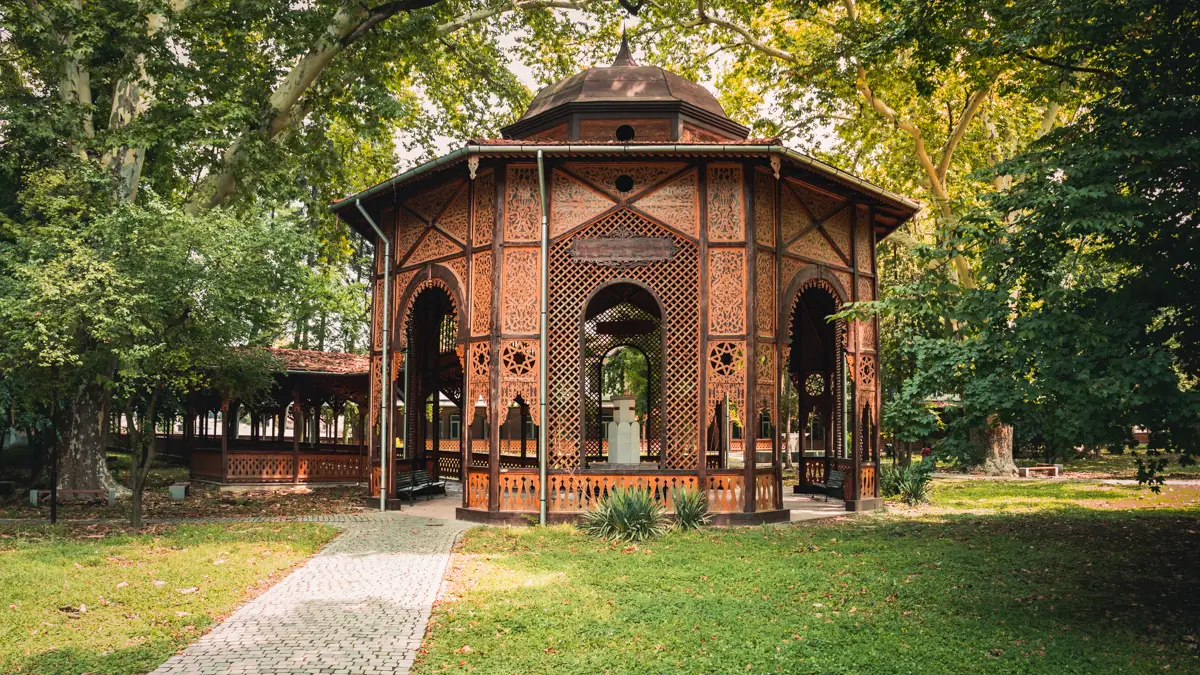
(359, 606)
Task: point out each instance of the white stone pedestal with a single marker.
(624, 433)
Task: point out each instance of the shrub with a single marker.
(889, 480)
(627, 514)
(691, 508)
(913, 486)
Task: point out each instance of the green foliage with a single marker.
(691, 508)
(889, 480)
(626, 514)
(912, 484)
(625, 371)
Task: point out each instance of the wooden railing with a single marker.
(575, 492)
(206, 465)
(726, 491)
(277, 467)
(766, 497)
(477, 490)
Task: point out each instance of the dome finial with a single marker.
(624, 58)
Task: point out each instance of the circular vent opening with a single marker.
(623, 183)
(625, 133)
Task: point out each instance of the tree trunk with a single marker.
(994, 443)
(83, 448)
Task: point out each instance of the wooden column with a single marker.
(750, 414)
(500, 179)
(855, 415)
(297, 425)
(705, 404)
(224, 439)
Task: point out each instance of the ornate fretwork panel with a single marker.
(820, 204)
(676, 285)
(726, 203)
(435, 245)
(479, 363)
(400, 284)
(485, 208)
(402, 330)
(764, 290)
(846, 279)
(376, 393)
(377, 316)
(518, 375)
(815, 246)
(456, 218)
(864, 245)
(429, 203)
(573, 203)
(793, 218)
(764, 208)
(481, 294)
(838, 226)
(522, 204)
(866, 372)
(459, 267)
(766, 377)
(677, 204)
(726, 291)
(866, 334)
(790, 267)
(726, 374)
(604, 176)
(866, 289)
(519, 291)
(409, 229)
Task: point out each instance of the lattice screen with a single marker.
(675, 283)
(597, 344)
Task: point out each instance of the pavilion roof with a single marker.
(313, 361)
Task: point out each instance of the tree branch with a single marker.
(1064, 66)
(960, 128)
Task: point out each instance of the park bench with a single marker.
(834, 482)
(1049, 470)
(177, 492)
(417, 481)
(36, 497)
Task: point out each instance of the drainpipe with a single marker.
(383, 417)
(542, 350)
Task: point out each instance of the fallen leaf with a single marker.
(159, 583)
(185, 591)
(123, 584)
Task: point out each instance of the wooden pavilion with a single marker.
(625, 209)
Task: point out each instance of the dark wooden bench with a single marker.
(36, 497)
(417, 481)
(834, 482)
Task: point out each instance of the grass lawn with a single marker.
(100, 600)
(1057, 590)
(981, 496)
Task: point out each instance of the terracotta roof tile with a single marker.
(511, 141)
(313, 361)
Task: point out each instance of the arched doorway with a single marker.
(815, 373)
(434, 380)
(622, 348)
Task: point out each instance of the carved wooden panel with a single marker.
(573, 493)
(726, 291)
(793, 218)
(726, 208)
(866, 372)
(866, 334)
(455, 220)
(485, 208)
(481, 293)
(520, 289)
(605, 130)
(764, 208)
(790, 267)
(409, 229)
(726, 492)
(764, 289)
(764, 389)
(726, 374)
(522, 204)
(477, 490)
(572, 203)
(402, 324)
(846, 279)
(377, 316)
(864, 246)
(866, 289)
(694, 134)
(819, 203)
(676, 284)
(518, 491)
(479, 365)
(838, 227)
(459, 267)
(765, 496)
(604, 176)
(518, 375)
(429, 203)
(400, 284)
(815, 246)
(676, 204)
(435, 245)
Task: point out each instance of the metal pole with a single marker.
(542, 347)
(383, 417)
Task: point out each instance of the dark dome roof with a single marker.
(630, 86)
(623, 81)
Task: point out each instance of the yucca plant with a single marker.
(889, 480)
(913, 486)
(626, 514)
(691, 508)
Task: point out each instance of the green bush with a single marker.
(691, 508)
(627, 514)
(913, 486)
(889, 480)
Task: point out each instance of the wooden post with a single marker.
(750, 416)
(297, 425)
(224, 439)
(497, 405)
